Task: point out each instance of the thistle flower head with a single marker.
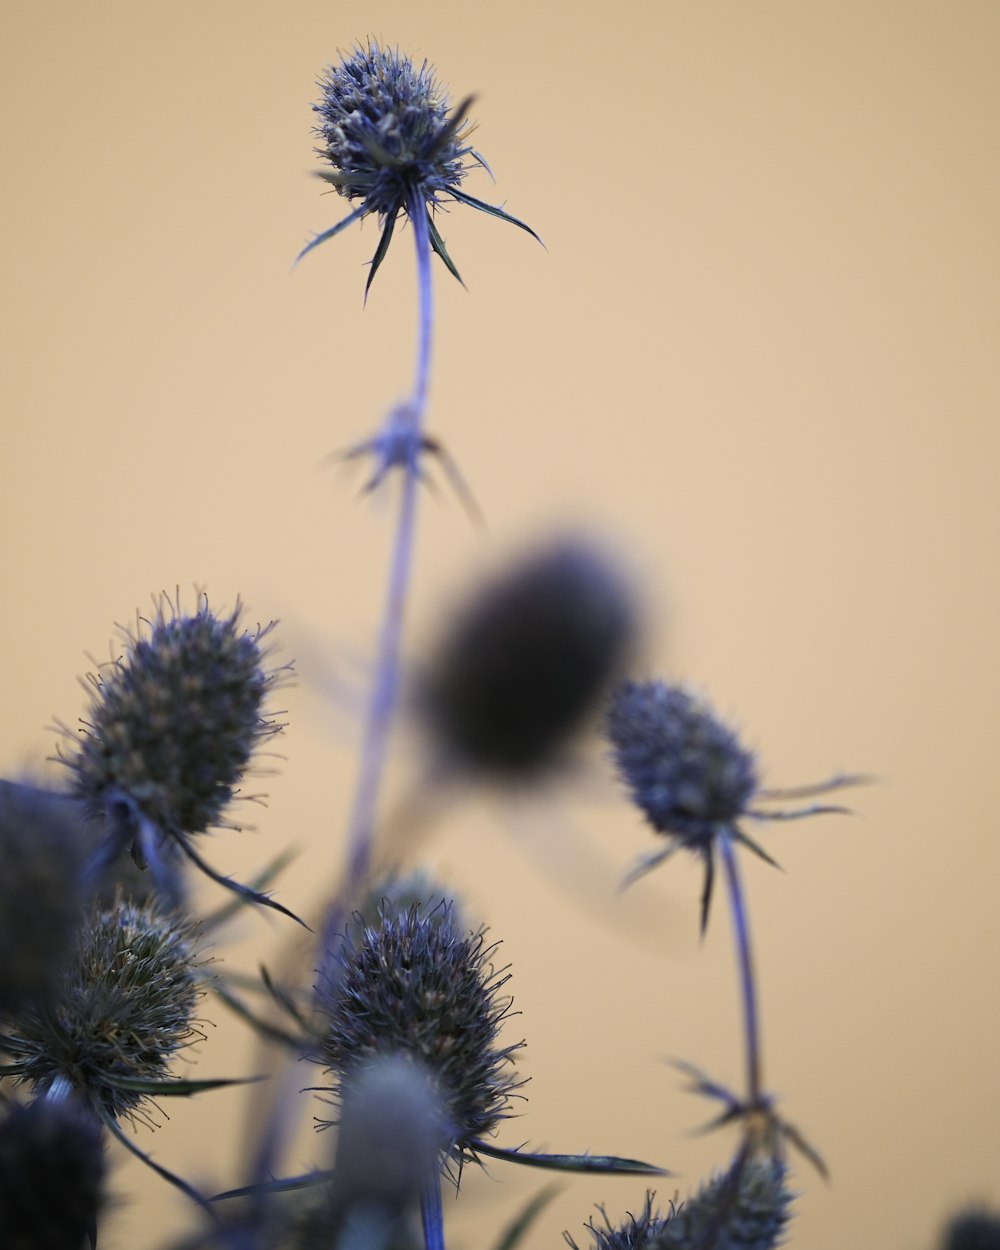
(42, 890)
(685, 770)
(748, 1212)
(394, 145)
(745, 1211)
(636, 1232)
(172, 725)
(51, 1176)
(525, 662)
(122, 1009)
(690, 776)
(413, 985)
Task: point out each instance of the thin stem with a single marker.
(385, 691)
(744, 958)
(433, 1216)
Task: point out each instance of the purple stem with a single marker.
(744, 959)
(385, 691)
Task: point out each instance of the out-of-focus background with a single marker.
(759, 352)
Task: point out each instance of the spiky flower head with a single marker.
(172, 725)
(742, 1210)
(685, 770)
(747, 1211)
(636, 1232)
(691, 777)
(51, 1176)
(415, 985)
(394, 144)
(124, 1006)
(526, 660)
(42, 889)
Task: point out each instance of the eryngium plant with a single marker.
(171, 729)
(393, 145)
(746, 1210)
(413, 984)
(123, 1007)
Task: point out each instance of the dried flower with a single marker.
(414, 985)
(526, 661)
(689, 774)
(51, 1176)
(392, 145)
(123, 1008)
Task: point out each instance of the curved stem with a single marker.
(384, 693)
(744, 958)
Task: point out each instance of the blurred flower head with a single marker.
(524, 663)
(394, 145)
(745, 1210)
(43, 843)
(51, 1176)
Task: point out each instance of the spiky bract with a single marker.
(685, 770)
(122, 1009)
(172, 725)
(525, 662)
(415, 985)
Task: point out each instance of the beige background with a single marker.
(760, 350)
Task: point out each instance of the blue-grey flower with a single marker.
(394, 146)
(690, 775)
(123, 1008)
(170, 733)
(414, 984)
(742, 1210)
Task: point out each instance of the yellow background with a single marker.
(760, 350)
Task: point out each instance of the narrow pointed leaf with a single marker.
(385, 238)
(464, 198)
(262, 900)
(328, 234)
(522, 1222)
(268, 874)
(605, 1164)
(437, 244)
(282, 1185)
(175, 1088)
(170, 1177)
